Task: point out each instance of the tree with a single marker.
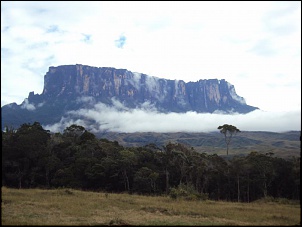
(238, 167)
(23, 151)
(126, 164)
(145, 180)
(228, 131)
(167, 158)
(263, 171)
(74, 133)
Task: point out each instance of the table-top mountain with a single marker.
(72, 87)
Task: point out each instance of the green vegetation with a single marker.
(228, 131)
(34, 158)
(187, 192)
(283, 144)
(68, 206)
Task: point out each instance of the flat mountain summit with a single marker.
(70, 88)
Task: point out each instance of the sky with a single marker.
(254, 45)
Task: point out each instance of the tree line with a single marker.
(32, 157)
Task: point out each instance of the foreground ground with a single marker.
(74, 207)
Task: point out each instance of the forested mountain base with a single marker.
(32, 157)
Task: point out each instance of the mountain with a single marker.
(69, 88)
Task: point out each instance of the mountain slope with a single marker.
(70, 88)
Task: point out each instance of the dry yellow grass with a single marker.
(74, 207)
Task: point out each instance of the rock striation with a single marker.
(65, 85)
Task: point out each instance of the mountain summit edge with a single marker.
(69, 88)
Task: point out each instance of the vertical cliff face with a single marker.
(134, 89)
(74, 87)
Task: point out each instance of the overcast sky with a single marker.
(254, 45)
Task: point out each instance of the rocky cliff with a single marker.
(65, 85)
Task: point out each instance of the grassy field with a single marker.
(75, 207)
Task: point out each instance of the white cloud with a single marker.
(27, 105)
(256, 46)
(118, 118)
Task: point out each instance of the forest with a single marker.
(33, 157)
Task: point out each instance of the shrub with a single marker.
(187, 192)
(271, 199)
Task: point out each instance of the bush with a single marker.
(187, 192)
(271, 199)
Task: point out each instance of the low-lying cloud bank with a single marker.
(118, 118)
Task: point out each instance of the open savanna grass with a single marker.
(75, 207)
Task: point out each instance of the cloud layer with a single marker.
(118, 118)
(250, 44)
(256, 46)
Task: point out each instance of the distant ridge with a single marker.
(285, 144)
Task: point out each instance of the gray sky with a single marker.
(254, 45)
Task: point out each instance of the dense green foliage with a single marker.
(33, 157)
